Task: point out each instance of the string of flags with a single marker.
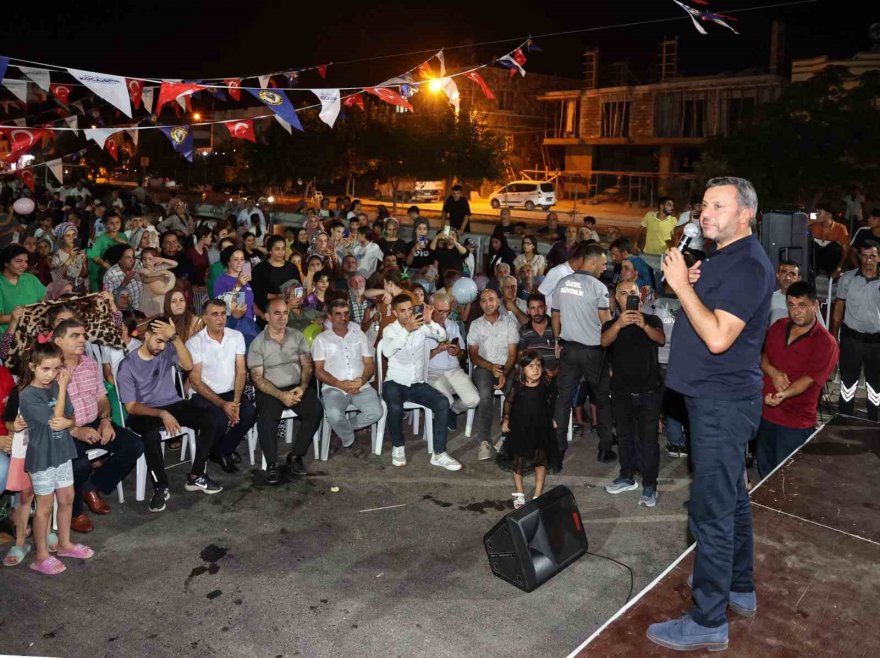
(697, 16)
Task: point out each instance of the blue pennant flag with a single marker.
(278, 102)
(181, 139)
(4, 62)
(533, 47)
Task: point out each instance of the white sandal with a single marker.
(519, 500)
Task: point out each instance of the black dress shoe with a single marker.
(272, 476)
(297, 467)
(607, 456)
(235, 457)
(225, 462)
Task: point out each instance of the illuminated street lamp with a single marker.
(436, 85)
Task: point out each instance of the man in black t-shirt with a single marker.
(636, 391)
(457, 210)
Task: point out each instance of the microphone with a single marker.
(689, 232)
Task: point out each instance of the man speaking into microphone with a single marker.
(715, 362)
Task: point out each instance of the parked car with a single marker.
(529, 194)
(428, 191)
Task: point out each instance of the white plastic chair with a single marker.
(408, 406)
(375, 437)
(472, 412)
(92, 454)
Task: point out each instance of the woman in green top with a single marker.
(103, 242)
(17, 287)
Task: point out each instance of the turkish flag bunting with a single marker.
(60, 92)
(241, 129)
(171, 90)
(476, 77)
(425, 71)
(234, 90)
(27, 177)
(135, 91)
(354, 99)
(322, 71)
(112, 148)
(21, 140)
(519, 57)
(389, 96)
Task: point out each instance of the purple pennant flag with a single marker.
(278, 102)
(4, 62)
(181, 139)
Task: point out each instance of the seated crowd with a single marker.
(223, 330)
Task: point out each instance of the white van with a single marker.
(528, 194)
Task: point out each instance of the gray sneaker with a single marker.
(620, 485)
(649, 497)
(485, 451)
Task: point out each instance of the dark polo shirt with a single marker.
(812, 355)
(738, 279)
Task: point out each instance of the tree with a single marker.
(815, 142)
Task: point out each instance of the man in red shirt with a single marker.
(799, 357)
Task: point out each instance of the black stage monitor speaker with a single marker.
(534, 543)
(786, 236)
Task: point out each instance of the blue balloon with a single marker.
(464, 290)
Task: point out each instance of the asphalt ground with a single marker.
(298, 570)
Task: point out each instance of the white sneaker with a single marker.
(443, 459)
(485, 451)
(398, 456)
(519, 500)
(499, 443)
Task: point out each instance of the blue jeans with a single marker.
(775, 443)
(421, 393)
(720, 515)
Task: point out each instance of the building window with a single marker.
(615, 119)
(739, 111)
(505, 100)
(694, 118)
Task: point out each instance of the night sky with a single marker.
(192, 39)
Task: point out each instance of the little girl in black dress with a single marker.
(530, 441)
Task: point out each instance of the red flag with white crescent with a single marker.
(27, 177)
(60, 92)
(322, 71)
(518, 57)
(354, 99)
(241, 129)
(476, 77)
(389, 96)
(234, 90)
(135, 91)
(21, 140)
(170, 91)
(112, 147)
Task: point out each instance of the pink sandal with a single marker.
(79, 551)
(51, 566)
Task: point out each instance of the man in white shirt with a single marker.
(444, 369)
(218, 376)
(492, 342)
(368, 253)
(555, 275)
(403, 343)
(787, 273)
(245, 214)
(344, 364)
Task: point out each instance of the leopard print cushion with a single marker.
(102, 325)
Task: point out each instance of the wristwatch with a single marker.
(105, 417)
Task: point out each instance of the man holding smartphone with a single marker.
(631, 341)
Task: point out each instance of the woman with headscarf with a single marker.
(69, 261)
(499, 252)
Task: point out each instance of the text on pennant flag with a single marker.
(112, 88)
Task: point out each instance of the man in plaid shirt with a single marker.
(124, 275)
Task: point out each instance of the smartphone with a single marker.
(813, 217)
(446, 231)
(240, 299)
(419, 309)
(423, 240)
(298, 292)
(632, 302)
(246, 268)
(454, 341)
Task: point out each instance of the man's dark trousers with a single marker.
(124, 451)
(575, 362)
(720, 514)
(226, 442)
(269, 410)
